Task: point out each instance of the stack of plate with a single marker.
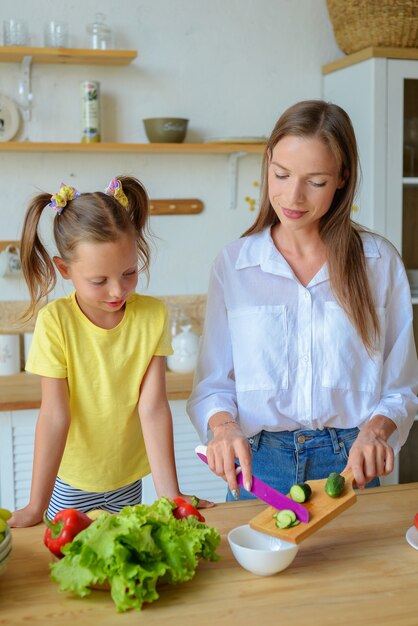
(5, 550)
(9, 118)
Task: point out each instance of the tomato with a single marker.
(184, 509)
(416, 520)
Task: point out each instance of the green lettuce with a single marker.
(134, 550)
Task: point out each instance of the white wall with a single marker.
(230, 66)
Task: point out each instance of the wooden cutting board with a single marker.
(322, 509)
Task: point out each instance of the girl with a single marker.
(308, 363)
(101, 355)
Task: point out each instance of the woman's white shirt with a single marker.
(280, 356)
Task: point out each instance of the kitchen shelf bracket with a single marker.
(25, 88)
(233, 177)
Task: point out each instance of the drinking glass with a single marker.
(56, 34)
(15, 32)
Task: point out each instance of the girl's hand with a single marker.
(28, 516)
(228, 444)
(371, 455)
(197, 502)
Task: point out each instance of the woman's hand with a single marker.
(28, 516)
(371, 455)
(228, 444)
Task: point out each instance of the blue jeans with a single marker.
(284, 458)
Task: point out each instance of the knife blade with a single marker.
(264, 492)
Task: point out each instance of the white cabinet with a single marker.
(378, 95)
(381, 97)
(17, 433)
(17, 430)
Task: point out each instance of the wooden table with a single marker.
(358, 571)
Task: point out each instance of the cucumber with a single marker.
(285, 518)
(300, 492)
(334, 485)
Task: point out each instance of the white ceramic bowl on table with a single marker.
(259, 553)
(5, 550)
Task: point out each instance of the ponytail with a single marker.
(37, 266)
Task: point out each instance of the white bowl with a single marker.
(5, 550)
(5, 544)
(259, 553)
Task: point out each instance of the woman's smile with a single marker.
(293, 214)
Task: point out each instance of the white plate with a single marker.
(9, 118)
(237, 140)
(412, 537)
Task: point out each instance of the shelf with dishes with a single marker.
(73, 56)
(106, 147)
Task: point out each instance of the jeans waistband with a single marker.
(305, 438)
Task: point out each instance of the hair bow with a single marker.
(114, 189)
(64, 194)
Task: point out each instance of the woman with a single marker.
(308, 363)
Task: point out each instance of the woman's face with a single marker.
(303, 177)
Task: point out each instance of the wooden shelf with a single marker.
(106, 147)
(75, 56)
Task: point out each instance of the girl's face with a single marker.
(104, 275)
(303, 177)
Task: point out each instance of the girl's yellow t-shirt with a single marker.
(104, 368)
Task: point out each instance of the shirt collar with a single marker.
(259, 250)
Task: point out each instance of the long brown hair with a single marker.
(93, 217)
(341, 236)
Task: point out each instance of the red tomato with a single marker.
(416, 520)
(184, 509)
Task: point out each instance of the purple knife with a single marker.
(266, 493)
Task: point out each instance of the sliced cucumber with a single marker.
(285, 518)
(300, 492)
(334, 485)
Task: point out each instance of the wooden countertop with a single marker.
(357, 570)
(23, 391)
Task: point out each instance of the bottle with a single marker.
(99, 35)
(90, 98)
(185, 348)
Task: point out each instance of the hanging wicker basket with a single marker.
(359, 24)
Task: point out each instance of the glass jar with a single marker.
(99, 34)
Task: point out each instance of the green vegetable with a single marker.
(286, 518)
(334, 485)
(300, 492)
(134, 550)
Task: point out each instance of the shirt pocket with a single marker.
(259, 347)
(347, 364)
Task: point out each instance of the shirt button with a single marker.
(306, 294)
(301, 439)
(251, 440)
(305, 358)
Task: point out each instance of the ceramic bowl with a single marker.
(259, 553)
(5, 550)
(165, 129)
